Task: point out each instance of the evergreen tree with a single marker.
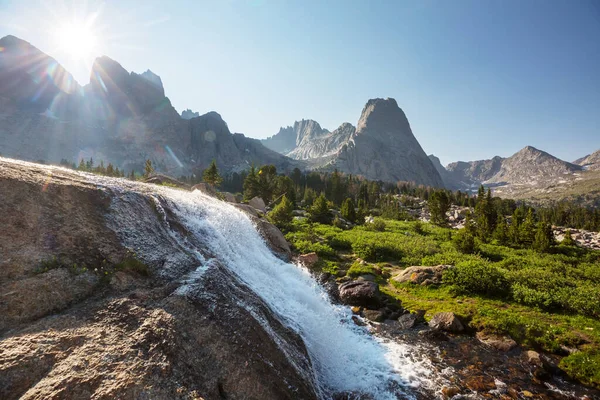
(527, 229)
(132, 175)
(501, 231)
(348, 210)
(110, 170)
(267, 181)
(148, 169)
(282, 215)
(309, 197)
(568, 240)
(319, 212)
(544, 238)
(81, 166)
(251, 184)
(211, 175)
(439, 204)
(469, 227)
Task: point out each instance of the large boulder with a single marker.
(80, 319)
(422, 275)
(308, 260)
(446, 321)
(274, 238)
(205, 188)
(258, 203)
(500, 343)
(360, 293)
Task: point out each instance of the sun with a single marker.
(77, 39)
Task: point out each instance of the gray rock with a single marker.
(446, 321)
(258, 203)
(422, 275)
(360, 293)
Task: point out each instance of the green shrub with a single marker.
(418, 228)
(583, 366)
(477, 277)
(378, 225)
(358, 269)
(281, 216)
(464, 241)
(305, 246)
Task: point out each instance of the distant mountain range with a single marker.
(125, 118)
(119, 117)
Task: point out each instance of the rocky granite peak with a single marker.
(152, 78)
(384, 148)
(590, 162)
(189, 114)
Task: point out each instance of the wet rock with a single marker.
(143, 338)
(500, 343)
(434, 335)
(274, 238)
(247, 209)
(308, 260)
(422, 275)
(408, 321)
(446, 321)
(480, 383)
(360, 293)
(358, 321)
(533, 358)
(331, 287)
(450, 391)
(206, 189)
(374, 315)
(258, 204)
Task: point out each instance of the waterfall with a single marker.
(346, 357)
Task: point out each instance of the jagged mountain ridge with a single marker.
(120, 117)
(381, 147)
(589, 162)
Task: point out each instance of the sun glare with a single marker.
(77, 39)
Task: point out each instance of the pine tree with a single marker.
(501, 231)
(251, 184)
(544, 238)
(568, 240)
(527, 230)
(81, 166)
(110, 170)
(309, 197)
(439, 204)
(132, 175)
(211, 175)
(348, 210)
(319, 212)
(148, 169)
(282, 215)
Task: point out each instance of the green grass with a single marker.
(543, 301)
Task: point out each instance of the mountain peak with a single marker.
(382, 117)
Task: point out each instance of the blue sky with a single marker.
(475, 78)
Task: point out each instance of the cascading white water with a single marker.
(346, 357)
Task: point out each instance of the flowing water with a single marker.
(345, 357)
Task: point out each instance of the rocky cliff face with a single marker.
(529, 173)
(120, 117)
(103, 297)
(589, 162)
(471, 174)
(288, 139)
(189, 114)
(385, 148)
(317, 150)
(381, 147)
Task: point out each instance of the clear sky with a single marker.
(475, 78)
